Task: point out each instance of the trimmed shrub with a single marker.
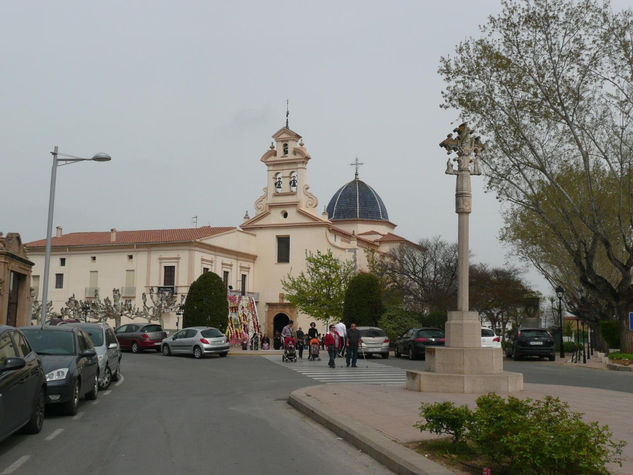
(618, 355)
(445, 418)
(363, 302)
(206, 303)
(435, 319)
(610, 330)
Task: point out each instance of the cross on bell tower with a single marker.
(356, 164)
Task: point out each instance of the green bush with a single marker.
(435, 319)
(568, 346)
(445, 418)
(527, 436)
(206, 303)
(610, 332)
(363, 302)
(618, 355)
(396, 321)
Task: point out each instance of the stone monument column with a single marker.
(462, 365)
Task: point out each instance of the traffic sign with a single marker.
(631, 321)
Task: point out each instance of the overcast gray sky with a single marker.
(185, 96)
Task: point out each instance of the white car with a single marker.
(489, 339)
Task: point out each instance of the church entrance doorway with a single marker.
(279, 322)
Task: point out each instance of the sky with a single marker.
(185, 97)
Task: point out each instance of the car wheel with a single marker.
(71, 406)
(197, 352)
(117, 374)
(158, 349)
(166, 350)
(107, 378)
(515, 354)
(223, 354)
(552, 357)
(411, 355)
(94, 393)
(385, 356)
(34, 426)
(135, 347)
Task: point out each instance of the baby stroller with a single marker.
(290, 351)
(314, 350)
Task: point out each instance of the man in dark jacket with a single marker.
(353, 340)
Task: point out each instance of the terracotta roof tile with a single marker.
(390, 237)
(132, 237)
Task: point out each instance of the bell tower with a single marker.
(286, 163)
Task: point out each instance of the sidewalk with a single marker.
(378, 419)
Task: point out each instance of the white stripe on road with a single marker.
(78, 416)
(15, 465)
(120, 381)
(105, 393)
(54, 434)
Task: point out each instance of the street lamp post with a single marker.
(59, 159)
(559, 293)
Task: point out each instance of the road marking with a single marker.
(78, 416)
(105, 393)
(15, 465)
(54, 434)
(120, 381)
(367, 372)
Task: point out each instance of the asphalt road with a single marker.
(178, 415)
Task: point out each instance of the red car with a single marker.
(140, 336)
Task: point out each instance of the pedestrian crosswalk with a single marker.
(367, 372)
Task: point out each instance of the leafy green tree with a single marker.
(319, 291)
(550, 85)
(363, 300)
(395, 321)
(206, 303)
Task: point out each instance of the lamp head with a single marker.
(559, 292)
(101, 157)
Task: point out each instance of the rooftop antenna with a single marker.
(287, 113)
(195, 221)
(356, 164)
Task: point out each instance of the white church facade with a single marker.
(252, 258)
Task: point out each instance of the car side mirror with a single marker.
(89, 352)
(13, 363)
(113, 346)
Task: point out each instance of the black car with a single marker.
(415, 340)
(22, 385)
(531, 342)
(69, 361)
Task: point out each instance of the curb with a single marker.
(619, 367)
(394, 456)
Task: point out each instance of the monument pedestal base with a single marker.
(464, 370)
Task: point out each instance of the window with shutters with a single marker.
(169, 276)
(283, 249)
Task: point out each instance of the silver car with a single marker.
(374, 342)
(108, 351)
(196, 341)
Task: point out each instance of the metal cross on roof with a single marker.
(356, 164)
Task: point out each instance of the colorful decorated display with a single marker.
(243, 321)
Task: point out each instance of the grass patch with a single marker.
(456, 455)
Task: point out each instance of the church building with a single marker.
(252, 258)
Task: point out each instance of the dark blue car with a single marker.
(22, 385)
(70, 363)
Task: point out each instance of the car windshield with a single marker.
(152, 328)
(487, 332)
(534, 333)
(211, 333)
(51, 342)
(96, 335)
(372, 332)
(430, 334)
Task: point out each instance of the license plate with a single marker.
(536, 343)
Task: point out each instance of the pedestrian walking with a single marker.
(312, 331)
(332, 340)
(352, 342)
(342, 331)
(300, 342)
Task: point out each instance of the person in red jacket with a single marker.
(332, 343)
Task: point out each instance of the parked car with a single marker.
(69, 361)
(374, 341)
(489, 339)
(108, 351)
(414, 341)
(196, 341)
(140, 336)
(22, 385)
(531, 342)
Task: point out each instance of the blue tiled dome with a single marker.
(356, 200)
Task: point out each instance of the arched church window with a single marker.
(293, 181)
(285, 148)
(277, 182)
